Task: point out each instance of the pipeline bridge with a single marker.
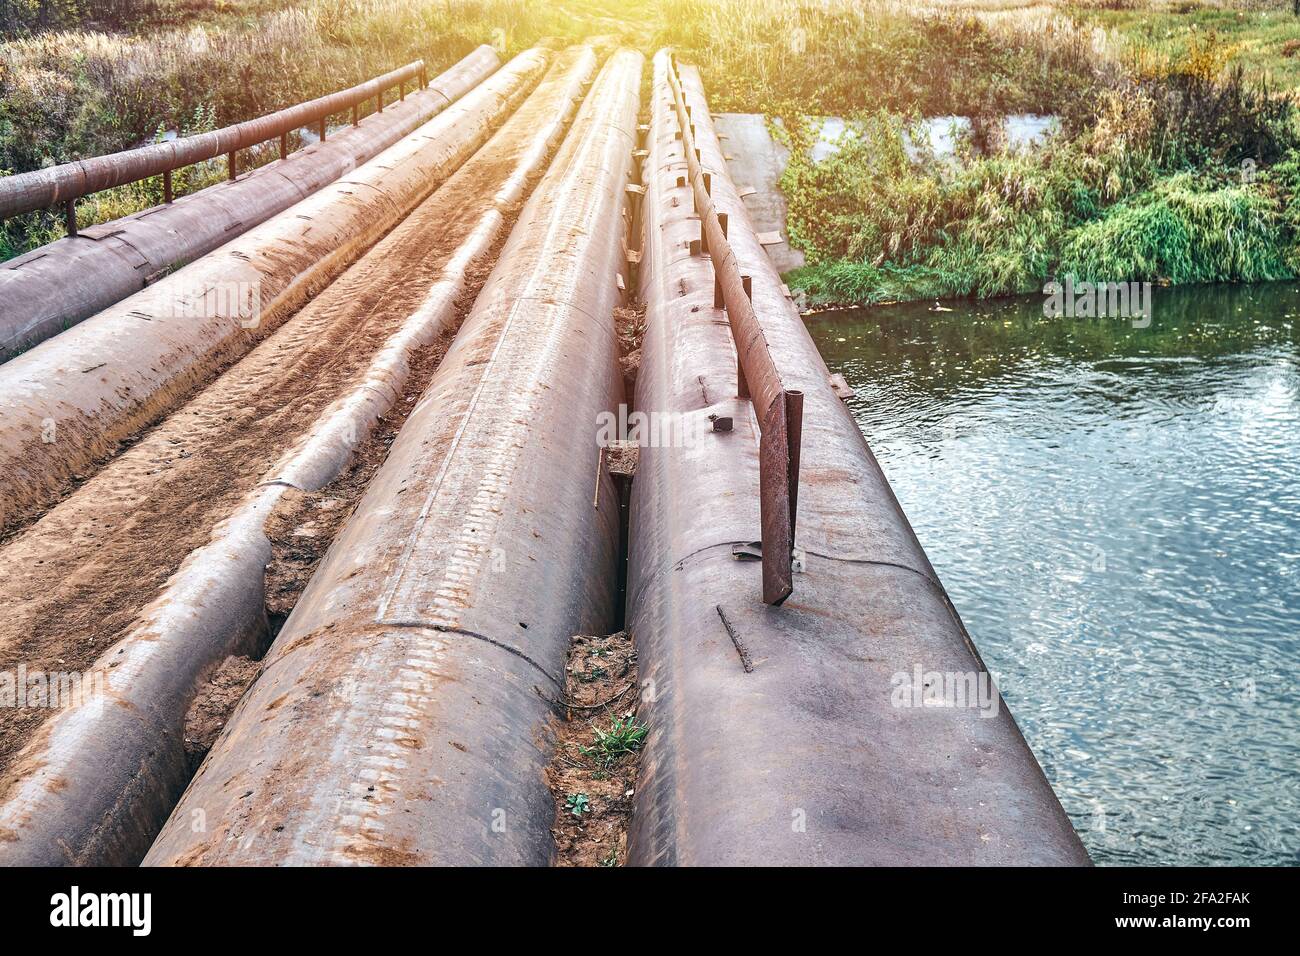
(338, 415)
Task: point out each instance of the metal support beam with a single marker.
(26, 192)
(779, 411)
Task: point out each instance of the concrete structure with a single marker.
(756, 161)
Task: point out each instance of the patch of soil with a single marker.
(215, 703)
(629, 323)
(304, 523)
(593, 793)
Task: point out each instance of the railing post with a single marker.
(401, 91)
(774, 501)
(794, 438)
(354, 114)
(232, 167)
(70, 216)
(167, 187)
(321, 129)
(284, 145)
(742, 383)
(379, 102)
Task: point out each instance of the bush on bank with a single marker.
(1189, 175)
(81, 78)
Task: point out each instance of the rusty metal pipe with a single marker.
(403, 713)
(774, 735)
(69, 401)
(52, 288)
(93, 787)
(26, 192)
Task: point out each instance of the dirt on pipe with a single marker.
(79, 398)
(73, 582)
(405, 709)
(301, 529)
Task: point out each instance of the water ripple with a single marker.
(1116, 513)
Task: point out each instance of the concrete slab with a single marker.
(756, 161)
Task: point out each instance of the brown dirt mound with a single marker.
(593, 789)
(215, 703)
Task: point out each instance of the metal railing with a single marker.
(27, 192)
(779, 410)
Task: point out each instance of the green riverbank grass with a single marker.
(1144, 180)
(1183, 174)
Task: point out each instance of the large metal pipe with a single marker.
(95, 785)
(69, 401)
(783, 735)
(58, 285)
(402, 715)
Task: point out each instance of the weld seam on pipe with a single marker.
(214, 606)
(142, 369)
(502, 645)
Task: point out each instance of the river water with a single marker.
(1115, 512)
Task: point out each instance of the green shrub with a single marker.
(1113, 197)
(1182, 232)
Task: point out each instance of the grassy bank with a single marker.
(80, 79)
(1145, 179)
(1260, 35)
(1175, 169)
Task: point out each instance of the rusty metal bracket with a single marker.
(779, 410)
(27, 192)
